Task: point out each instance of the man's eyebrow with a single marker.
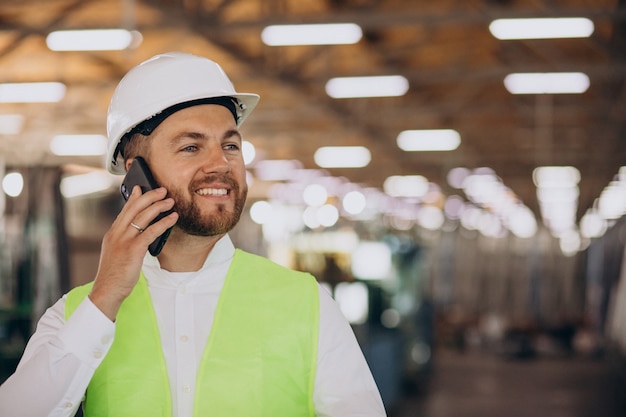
(232, 132)
(187, 135)
(201, 136)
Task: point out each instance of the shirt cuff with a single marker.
(88, 334)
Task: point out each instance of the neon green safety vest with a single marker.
(259, 359)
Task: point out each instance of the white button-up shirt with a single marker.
(61, 357)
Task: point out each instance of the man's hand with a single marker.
(124, 246)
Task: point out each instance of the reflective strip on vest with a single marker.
(259, 360)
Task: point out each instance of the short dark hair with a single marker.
(132, 145)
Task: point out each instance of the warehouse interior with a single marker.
(471, 262)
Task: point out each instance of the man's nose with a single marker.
(216, 161)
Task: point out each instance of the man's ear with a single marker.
(127, 163)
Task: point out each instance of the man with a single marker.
(202, 329)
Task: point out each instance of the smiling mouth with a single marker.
(212, 191)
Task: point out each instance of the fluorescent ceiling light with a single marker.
(556, 176)
(13, 184)
(276, 170)
(547, 83)
(521, 221)
(82, 184)
(541, 28)
(78, 145)
(429, 140)
(11, 124)
(315, 195)
(353, 300)
(375, 86)
(92, 40)
(342, 157)
(559, 196)
(592, 224)
(249, 152)
(612, 200)
(46, 92)
(371, 260)
(315, 34)
(406, 186)
(354, 202)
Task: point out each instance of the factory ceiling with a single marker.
(454, 66)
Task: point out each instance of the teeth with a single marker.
(212, 191)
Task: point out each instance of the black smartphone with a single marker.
(139, 174)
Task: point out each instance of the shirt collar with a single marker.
(223, 251)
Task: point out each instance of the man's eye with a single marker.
(190, 148)
(231, 147)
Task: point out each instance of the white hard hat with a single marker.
(158, 84)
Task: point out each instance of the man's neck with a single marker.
(186, 253)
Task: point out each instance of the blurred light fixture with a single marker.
(38, 92)
(342, 157)
(371, 260)
(327, 215)
(610, 205)
(315, 195)
(430, 217)
(556, 176)
(249, 152)
(453, 207)
(261, 212)
(547, 83)
(337, 241)
(612, 200)
(456, 176)
(429, 140)
(82, 184)
(80, 145)
(621, 173)
(276, 169)
(353, 301)
(494, 207)
(570, 243)
(280, 221)
(470, 216)
(557, 195)
(312, 34)
(592, 225)
(13, 184)
(521, 222)
(11, 124)
(406, 186)
(93, 40)
(542, 28)
(390, 318)
(374, 86)
(490, 225)
(309, 218)
(354, 202)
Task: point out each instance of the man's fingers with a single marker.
(146, 216)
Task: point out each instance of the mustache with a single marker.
(226, 179)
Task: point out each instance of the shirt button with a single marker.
(186, 389)
(105, 340)
(97, 354)
(184, 338)
(182, 290)
(69, 405)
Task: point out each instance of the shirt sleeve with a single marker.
(58, 362)
(344, 386)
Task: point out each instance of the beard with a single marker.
(193, 222)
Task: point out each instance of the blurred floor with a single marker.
(483, 385)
